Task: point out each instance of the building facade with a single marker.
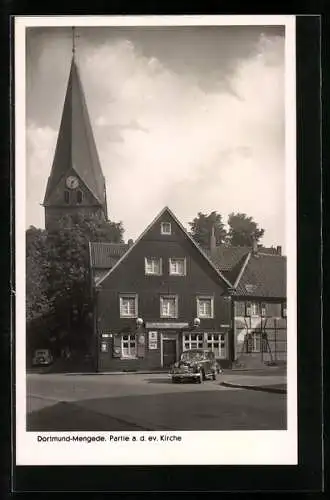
(260, 317)
(161, 297)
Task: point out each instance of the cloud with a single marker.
(163, 138)
(40, 147)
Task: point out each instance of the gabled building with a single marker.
(246, 303)
(259, 324)
(76, 183)
(163, 296)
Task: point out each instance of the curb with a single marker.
(98, 373)
(262, 388)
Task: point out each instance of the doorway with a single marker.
(169, 352)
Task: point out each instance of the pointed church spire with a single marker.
(75, 155)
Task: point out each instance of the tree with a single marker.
(243, 230)
(201, 228)
(59, 261)
(37, 303)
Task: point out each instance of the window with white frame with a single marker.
(153, 265)
(177, 266)
(128, 346)
(128, 306)
(217, 343)
(205, 307)
(165, 228)
(169, 306)
(256, 342)
(252, 309)
(192, 341)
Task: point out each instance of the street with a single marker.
(150, 402)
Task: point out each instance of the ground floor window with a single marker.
(192, 341)
(256, 342)
(128, 346)
(217, 343)
(253, 342)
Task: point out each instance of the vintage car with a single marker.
(42, 357)
(195, 364)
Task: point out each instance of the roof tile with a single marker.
(105, 255)
(264, 276)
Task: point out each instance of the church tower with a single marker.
(76, 183)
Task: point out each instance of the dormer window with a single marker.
(79, 197)
(67, 197)
(165, 228)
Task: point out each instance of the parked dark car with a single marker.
(195, 364)
(42, 357)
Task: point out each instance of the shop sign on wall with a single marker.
(152, 340)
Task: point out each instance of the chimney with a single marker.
(279, 250)
(213, 241)
(254, 245)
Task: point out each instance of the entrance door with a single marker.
(169, 352)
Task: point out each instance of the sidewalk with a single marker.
(262, 381)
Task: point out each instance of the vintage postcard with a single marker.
(155, 240)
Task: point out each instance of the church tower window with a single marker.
(79, 197)
(67, 197)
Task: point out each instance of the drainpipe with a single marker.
(231, 333)
(96, 329)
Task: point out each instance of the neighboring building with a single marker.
(76, 183)
(163, 296)
(103, 256)
(259, 302)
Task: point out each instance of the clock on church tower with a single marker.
(72, 182)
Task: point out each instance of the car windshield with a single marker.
(41, 353)
(192, 355)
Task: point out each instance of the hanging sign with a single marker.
(153, 337)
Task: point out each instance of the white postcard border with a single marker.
(197, 447)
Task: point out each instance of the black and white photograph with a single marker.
(155, 215)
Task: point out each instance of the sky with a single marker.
(189, 117)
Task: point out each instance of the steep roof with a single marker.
(105, 255)
(264, 275)
(226, 257)
(247, 274)
(201, 251)
(76, 146)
